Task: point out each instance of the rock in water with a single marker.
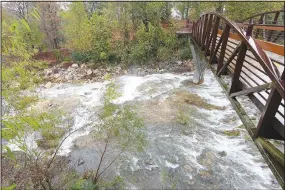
(80, 162)
(48, 85)
(222, 153)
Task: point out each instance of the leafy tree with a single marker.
(120, 130)
(241, 10)
(77, 28)
(50, 24)
(21, 37)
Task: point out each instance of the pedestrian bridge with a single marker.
(247, 58)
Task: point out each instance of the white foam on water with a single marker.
(131, 84)
(171, 165)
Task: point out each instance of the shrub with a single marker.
(81, 57)
(185, 53)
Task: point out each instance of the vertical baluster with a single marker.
(208, 36)
(198, 32)
(214, 38)
(224, 38)
(204, 32)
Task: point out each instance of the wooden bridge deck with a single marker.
(251, 55)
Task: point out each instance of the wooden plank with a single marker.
(232, 35)
(252, 90)
(272, 47)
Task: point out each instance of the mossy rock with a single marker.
(205, 173)
(232, 133)
(194, 99)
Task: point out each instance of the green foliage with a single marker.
(156, 43)
(11, 187)
(83, 184)
(19, 76)
(57, 55)
(89, 37)
(116, 183)
(121, 123)
(21, 37)
(185, 53)
(240, 10)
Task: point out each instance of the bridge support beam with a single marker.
(265, 126)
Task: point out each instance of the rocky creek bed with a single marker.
(211, 151)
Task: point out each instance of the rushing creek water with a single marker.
(198, 155)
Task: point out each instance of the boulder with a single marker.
(89, 72)
(48, 85)
(179, 62)
(48, 72)
(74, 65)
(56, 75)
(80, 162)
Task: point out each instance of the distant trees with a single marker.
(50, 23)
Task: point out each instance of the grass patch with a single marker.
(182, 118)
(232, 133)
(196, 100)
